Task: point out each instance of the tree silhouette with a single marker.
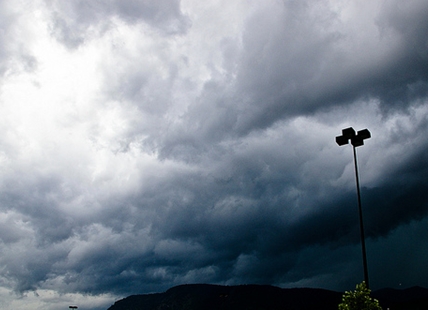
(359, 299)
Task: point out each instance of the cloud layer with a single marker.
(147, 144)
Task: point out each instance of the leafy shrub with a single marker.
(359, 299)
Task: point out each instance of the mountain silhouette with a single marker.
(263, 297)
(213, 297)
(414, 298)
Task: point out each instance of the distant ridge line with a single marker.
(267, 297)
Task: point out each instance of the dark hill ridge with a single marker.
(414, 298)
(214, 297)
(257, 297)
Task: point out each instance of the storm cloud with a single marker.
(147, 144)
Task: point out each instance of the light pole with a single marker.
(348, 134)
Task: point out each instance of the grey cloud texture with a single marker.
(73, 22)
(147, 144)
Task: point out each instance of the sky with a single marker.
(147, 144)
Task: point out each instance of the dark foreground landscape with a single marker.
(257, 297)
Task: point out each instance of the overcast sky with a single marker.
(147, 144)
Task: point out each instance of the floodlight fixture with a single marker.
(357, 139)
(348, 132)
(341, 140)
(364, 134)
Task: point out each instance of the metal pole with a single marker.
(363, 240)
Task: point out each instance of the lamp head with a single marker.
(364, 134)
(341, 140)
(348, 132)
(356, 139)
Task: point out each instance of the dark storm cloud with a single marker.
(204, 156)
(405, 81)
(403, 198)
(240, 217)
(292, 66)
(287, 66)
